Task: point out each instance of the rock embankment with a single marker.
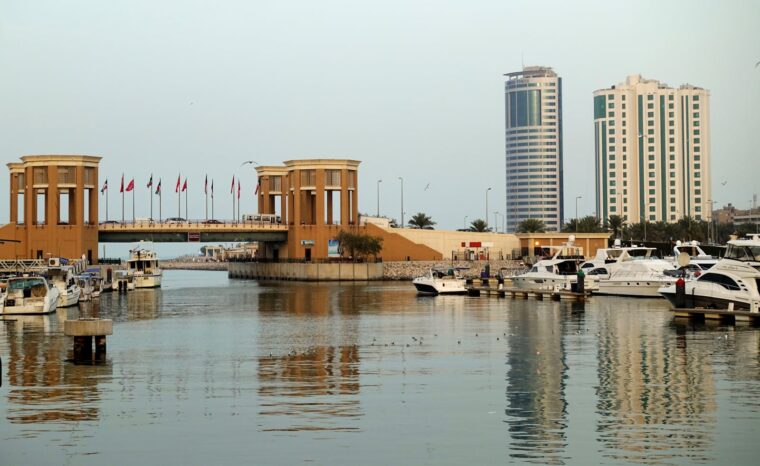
(409, 270)
(191, 265)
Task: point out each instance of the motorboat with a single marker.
(628, 271)
(124, 280)
(91, 285)
(440, 280)
(698, 259)
(29, 295)
(143, 264)
(62, 276)
(731, 283)
(559, 271)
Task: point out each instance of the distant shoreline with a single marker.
(185, 265)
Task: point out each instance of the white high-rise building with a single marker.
(652, 145)
(534, 147)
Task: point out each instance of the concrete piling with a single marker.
(83, 331)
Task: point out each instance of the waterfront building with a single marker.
(534, 147)
(652, 147)
(53, 208)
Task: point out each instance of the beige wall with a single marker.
(446, 241)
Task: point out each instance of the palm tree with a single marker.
(531, 225)
(479, 225)
(615, 223)
(421, 221)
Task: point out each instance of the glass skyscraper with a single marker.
(534, 147)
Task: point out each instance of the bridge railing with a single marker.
(184, 225)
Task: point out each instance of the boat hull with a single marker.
(147, 281)
(707, 302)
(69, 297)
(429, 288)
(543, 283)
(631, 288)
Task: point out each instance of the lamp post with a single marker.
(576, 212)
(402, 200)
(378, 196)
(486, 217)
(496, 221)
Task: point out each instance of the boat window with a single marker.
(599, 271)
(534, 269)
(638, 252)
(550, 269)
(743, 253)
(587, 266)
(722, 280)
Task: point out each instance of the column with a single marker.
(319, 198)
(52, 208)
(344, 212)
(14, 198)
(329, 207)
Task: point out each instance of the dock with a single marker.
(514, 292)
(721, 315)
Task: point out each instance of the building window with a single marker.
(40, 175)
(308, 178)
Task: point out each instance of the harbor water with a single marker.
(209, 370)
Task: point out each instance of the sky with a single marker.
(412, 89)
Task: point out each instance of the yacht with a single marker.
(698, 259)
(91, 285)
(143, 265)
(560, 271)
(29, 295)
(441, 281)
(731, 283)
(123, 281)
(628, 271)
(62, 276)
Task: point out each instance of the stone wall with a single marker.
(408, 270)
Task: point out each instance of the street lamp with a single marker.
(486, 218)
(496, 221)
(402, 200)
(576, 212)
(378, 196)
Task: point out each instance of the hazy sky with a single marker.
(410, 88)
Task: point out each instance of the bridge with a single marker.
(191, 231)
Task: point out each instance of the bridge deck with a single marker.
(191, 231)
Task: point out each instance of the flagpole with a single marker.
(133, 205)
(187, 217)
(106, 201)
(179, 201)
(122, 198)
(212, 198)
(150, 193)
(207, 205)
(160, 216)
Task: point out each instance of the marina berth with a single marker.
(731, 284)
(29, 295)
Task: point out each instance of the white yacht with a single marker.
(123, 280)
(731, 283)
(558, 272)
(29, 295)
(697, 256)
(143, 265)
(62, 276)
(628, 271)
(441, 281)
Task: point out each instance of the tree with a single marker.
(421, 221)
(588, 224)
(358, 245)
(479, 225)
(531, 225)
(615, 223)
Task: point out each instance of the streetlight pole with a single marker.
(496, 221)
(576, 212)
(486, 218)
(378, 196)
(402, 201)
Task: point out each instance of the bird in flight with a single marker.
(427, 186)
(757, 64)
(250, 161)
(723, 183)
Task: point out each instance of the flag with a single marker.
(257, 189)
(184, 186)
(158, 187)
(150, 181)
(121, 190)
(205, 186)
(176, 188)
(232, 188)
(105, 187)
(238, 189)
(212, 189)
(131, 185)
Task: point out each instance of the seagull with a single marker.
(723, 183)
(757, 64)
(427, 186)
(250, 161)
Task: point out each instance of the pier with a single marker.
(514, 292)
(718, 315)
(84, 330)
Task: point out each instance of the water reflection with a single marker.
(310, 380)
(43, 387)
(656, 396)
(140, 304)
(536, 377)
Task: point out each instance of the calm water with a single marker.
(213, 371)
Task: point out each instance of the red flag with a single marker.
(205, 186)
(238, 189)
(184, 186)
(232, 188)
(105, 187)
(131, 185)
(121, 190)
(150, 181)
(158, 187)
(176, 188)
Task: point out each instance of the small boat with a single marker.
(62, 276)
(91, 285)
(732, 283)
(143, 264)
(124, 280)
(440, 280)
(560, 271)
(29, 295)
